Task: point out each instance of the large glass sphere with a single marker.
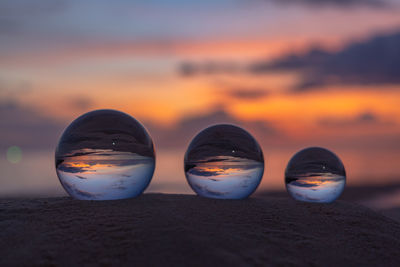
(315, 175)
(224, 161)
(105, 154)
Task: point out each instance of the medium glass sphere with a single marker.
(224, 161)
(315, 174)
(105, 154)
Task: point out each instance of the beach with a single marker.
(177, 230)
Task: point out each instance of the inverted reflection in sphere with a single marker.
(224, 161)
(315, 175)
(105, 154)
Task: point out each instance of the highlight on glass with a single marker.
(224, 161)
(315, 174)
(103, 155)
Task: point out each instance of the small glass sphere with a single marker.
(315, 174)
(105, 154)
(224, 161)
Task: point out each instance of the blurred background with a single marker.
(294, 73)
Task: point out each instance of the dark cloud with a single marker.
(69, 169)
(364, 119)
(247, 93)
(367, 117)
(188, 69)
(81, 103)
(290, 62)
(26, 127)
(372, 62)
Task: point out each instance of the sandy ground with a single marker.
(369, 196)
(173, 230)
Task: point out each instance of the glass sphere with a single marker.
(224, 161)
(315, 175)
(105, 154)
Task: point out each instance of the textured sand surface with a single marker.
(172, 230)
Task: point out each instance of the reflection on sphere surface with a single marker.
(315, 175)
(224, 161)
(105, 154)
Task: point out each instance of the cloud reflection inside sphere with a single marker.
(224, 161)
(315, 175)
(105, 154)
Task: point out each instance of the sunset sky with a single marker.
(295, 73)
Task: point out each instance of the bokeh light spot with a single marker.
(14, 154)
